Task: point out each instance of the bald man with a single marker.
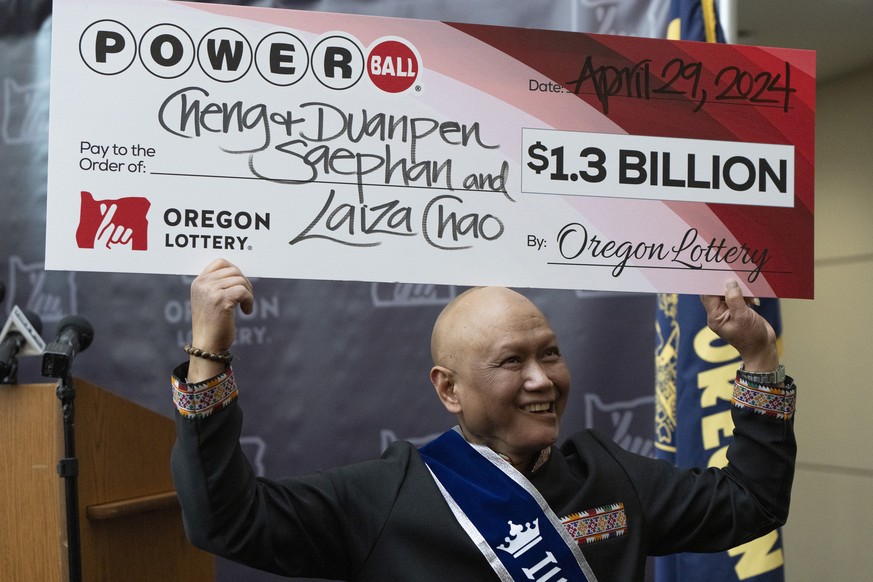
(493, 498)
(498, 369)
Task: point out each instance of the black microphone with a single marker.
(13, 342)
(74, 335)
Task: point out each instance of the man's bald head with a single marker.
(466, 320)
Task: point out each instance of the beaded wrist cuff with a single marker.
(203, 398)
(767, 400)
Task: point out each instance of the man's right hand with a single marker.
(215, 294)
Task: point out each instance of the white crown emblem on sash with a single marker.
(521, 538)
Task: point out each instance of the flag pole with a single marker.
(727, 16)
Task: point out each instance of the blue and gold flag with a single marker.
(694, 20)
(694, 382)
(694, 378)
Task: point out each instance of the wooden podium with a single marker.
(129, 518)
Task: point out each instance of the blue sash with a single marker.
(504, 515)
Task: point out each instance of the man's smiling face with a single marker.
(509, 381)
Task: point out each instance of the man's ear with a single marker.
(443, 381)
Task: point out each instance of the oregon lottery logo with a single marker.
(121, 222)
(337, 60)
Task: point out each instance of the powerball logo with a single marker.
(337, 60)
(114, 223)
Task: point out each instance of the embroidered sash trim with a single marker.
(504, 515)
(594, 525)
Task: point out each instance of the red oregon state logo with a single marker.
(107, 223)
(392, 66)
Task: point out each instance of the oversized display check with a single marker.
(312, 145)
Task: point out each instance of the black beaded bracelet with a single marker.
(225, 357)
